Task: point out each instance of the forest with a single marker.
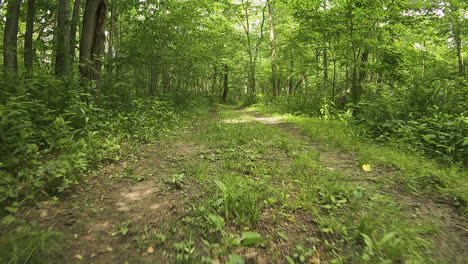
(234, 131)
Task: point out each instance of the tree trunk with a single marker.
(274, 58)
(28, 38)
(73, 28)
(291, 87)
(359, 75)
(325, 68)
(215, 79)
(62, 55)
(10, 37)
(112, 32)
(93, 40)
(226, 85)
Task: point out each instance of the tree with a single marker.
(251, 45)
(28, 38)
(225, 83)
(93, 40)
(73, 27)
(274, 64)
(10, 37)
(62, 54)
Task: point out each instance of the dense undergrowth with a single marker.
(52, 133)
(431, 119)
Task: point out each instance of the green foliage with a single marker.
(237, 200)
(50, 140)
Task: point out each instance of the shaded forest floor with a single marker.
(240, 186)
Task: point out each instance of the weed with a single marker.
(28, 244)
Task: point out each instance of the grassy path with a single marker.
(242, 187)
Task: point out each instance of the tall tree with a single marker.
(28, 38)
(10, 37)
(73, 27)
(251, 46)
(226, 83)
(112, 33)
(93, 40)
(274, 64)
(62, 55)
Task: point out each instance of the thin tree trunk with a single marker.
(334, 79)
(274, 65)
(215, 79)
(28, 38)
(10, 37)
(62, 56)
(112, 32)
(359, 75)
(325, 68)
(226, 84)
(73, 28)
(291, 88)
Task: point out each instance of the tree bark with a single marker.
(359, 75)
(291, 87)
(226, 84)
(10, 37)
(92, 41)
(73, 28)
(112, 33)
(62, 55)
(28, 38)
(274, 58)
(325, 68)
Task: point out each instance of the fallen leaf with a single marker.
(109, 249)
(150, 250)
(367, 167)
(314, 260)
(78, 256)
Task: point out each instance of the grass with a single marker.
(263, 191)
(245, 178)
(418, 174)
(28, 244)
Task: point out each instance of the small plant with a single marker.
(185, 251)
(300, 255)
(176, 180)
(123, 229)
(385, 250)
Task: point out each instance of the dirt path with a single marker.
(452, 239)
(148, 207)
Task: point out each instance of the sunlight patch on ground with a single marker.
(236, 121)
(267, 120)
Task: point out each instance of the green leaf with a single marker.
(11, 209)
(217, 220)
(236, 259)
(8, 219)
(124, 230)
(387, 237)
(221, 186)
(251, 238)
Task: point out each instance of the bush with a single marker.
(48, 141)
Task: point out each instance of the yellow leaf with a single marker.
(78, 256)
(367, 167)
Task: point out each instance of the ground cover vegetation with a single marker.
(233, 131)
